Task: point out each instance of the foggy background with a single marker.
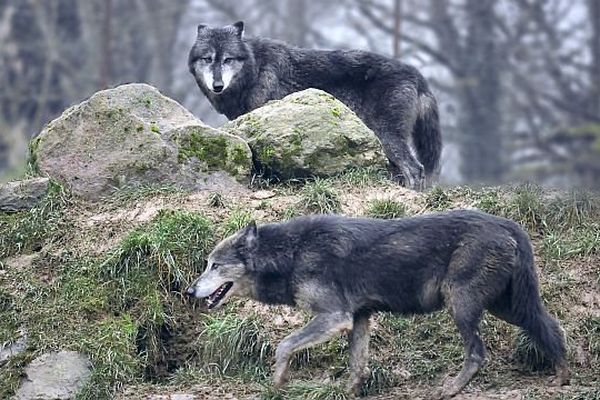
(517, 81)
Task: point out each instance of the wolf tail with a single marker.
(527, 308)
(426, 135)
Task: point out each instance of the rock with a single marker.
(174, 396)
(23, 195)
(132, 135)
(308, 133)
(10, 350)
(263, 194)
(58, 375)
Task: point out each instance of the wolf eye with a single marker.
(207, 60)
(229, 60)
(215, 266)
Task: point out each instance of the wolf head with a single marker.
(228, 269)
(218, 56)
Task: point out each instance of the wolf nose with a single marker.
(190, 292)
(218, 86)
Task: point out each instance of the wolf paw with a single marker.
(440, 394)
(280, 379)
(558, 380)
(448, 390)
(355, 384)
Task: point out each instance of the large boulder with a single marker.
(132, 135)
(308, 133)
(52, 376)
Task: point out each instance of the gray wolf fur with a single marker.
(343, 269)
(240, 74)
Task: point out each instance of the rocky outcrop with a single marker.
(132, 135)
(308, 133)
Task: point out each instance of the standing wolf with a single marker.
(238, 75)
(344, 269)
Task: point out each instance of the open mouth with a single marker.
(218, 294)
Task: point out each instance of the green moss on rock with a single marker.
(215, 152)
(308, 133)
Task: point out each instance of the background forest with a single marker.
(518, 81)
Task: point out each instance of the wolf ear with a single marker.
(239, 28)
(251, 235)
(201, 28)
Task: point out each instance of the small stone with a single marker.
(55, 376)
(263, 194)
(23, 195)
(183, 396)
(10, 350)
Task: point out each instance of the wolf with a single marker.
(342, 270)
(239, 74)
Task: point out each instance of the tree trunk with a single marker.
(479, 96)
(296, 31)
(594, 15)
(106, 70)
(397, 27)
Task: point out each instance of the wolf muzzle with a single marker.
(217, 86)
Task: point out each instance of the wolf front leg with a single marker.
(319, 330)
(359, 353)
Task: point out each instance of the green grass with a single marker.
(231, 344)
(583, 241)
(573, 209)
(380, 379)
(309, 391)
(115, 309)
(527, 207)
(491, 201)
(217, 200)
(289, 213)
(363, 177)
(9, 316)
(28, 231)
(320, 197)
(386, 209)
(124, 308)
(172, 249)
(437, 199)
(423, 345)
(237, 219)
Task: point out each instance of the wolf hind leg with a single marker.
(404, 166)
(319, 330)
(359, 353)
(466, 314)
(394, 125)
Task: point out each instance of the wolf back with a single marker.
(344, 269)
(239, 74)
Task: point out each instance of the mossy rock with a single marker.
(131, 136)
(209, 150)
(308, 133)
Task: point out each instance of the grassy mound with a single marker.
(108, 280)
